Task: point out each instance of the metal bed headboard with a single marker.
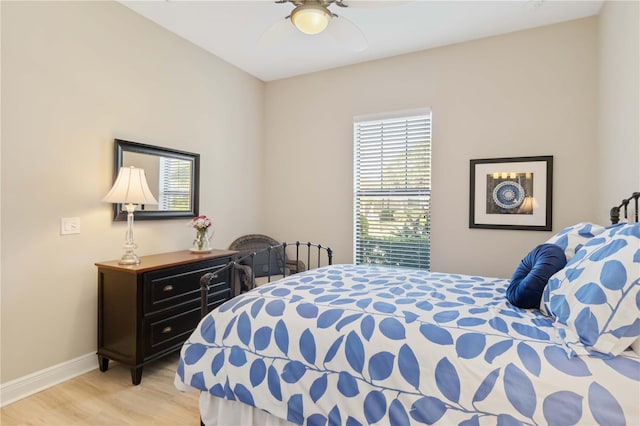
(624, 206)
(312, 262)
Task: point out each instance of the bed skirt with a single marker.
(216, 411)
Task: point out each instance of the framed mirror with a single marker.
(173, 177)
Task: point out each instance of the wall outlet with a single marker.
(69, 225)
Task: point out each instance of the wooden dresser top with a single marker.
(164, 260)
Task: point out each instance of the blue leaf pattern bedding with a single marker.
(365, 345)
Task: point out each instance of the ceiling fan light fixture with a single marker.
(310, 18)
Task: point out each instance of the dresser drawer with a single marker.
(181, 284)
(164, 331)
(170, 329)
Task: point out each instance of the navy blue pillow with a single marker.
(533, 272)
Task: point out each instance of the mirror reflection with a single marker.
(172, 176)
(169, 180)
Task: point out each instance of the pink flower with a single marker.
(201, 222)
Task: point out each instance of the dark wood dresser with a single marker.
(148, 310)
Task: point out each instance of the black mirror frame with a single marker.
(121, 146)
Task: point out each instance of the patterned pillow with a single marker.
(596, 297)
(570, 239)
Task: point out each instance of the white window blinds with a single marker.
(392, 191)
(174, 184)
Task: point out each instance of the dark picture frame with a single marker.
(511, 193)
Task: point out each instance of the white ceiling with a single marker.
(232, 30)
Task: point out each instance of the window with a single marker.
(392, 190)
(174, 184)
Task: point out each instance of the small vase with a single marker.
(202, 243)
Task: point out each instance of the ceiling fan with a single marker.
(314, 16)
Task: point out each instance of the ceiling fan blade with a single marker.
(276, 33)
(347, 33)
(374, 4)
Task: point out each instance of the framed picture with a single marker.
(511, 193)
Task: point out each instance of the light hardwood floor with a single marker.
(109, 398)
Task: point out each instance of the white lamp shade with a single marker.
(310, 18)
(130, 187)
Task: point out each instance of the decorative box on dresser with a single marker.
(148, 310)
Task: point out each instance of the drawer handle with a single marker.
(166, 330)
(167, 288)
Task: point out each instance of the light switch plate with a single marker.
(69, 225)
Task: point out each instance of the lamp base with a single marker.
(129, 257)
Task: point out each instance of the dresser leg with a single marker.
(103, 363)
(136, 375)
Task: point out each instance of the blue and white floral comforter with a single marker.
(361, 345)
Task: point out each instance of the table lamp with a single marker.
(130, 189)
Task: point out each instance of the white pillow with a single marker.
(596, 297)
(570, 239)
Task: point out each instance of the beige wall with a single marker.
(521, 94)
(619, 102)
(76, 75)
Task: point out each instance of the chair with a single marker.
(266, 263)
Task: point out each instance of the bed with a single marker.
(369, 345)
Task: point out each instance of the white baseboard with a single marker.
(43, 379)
